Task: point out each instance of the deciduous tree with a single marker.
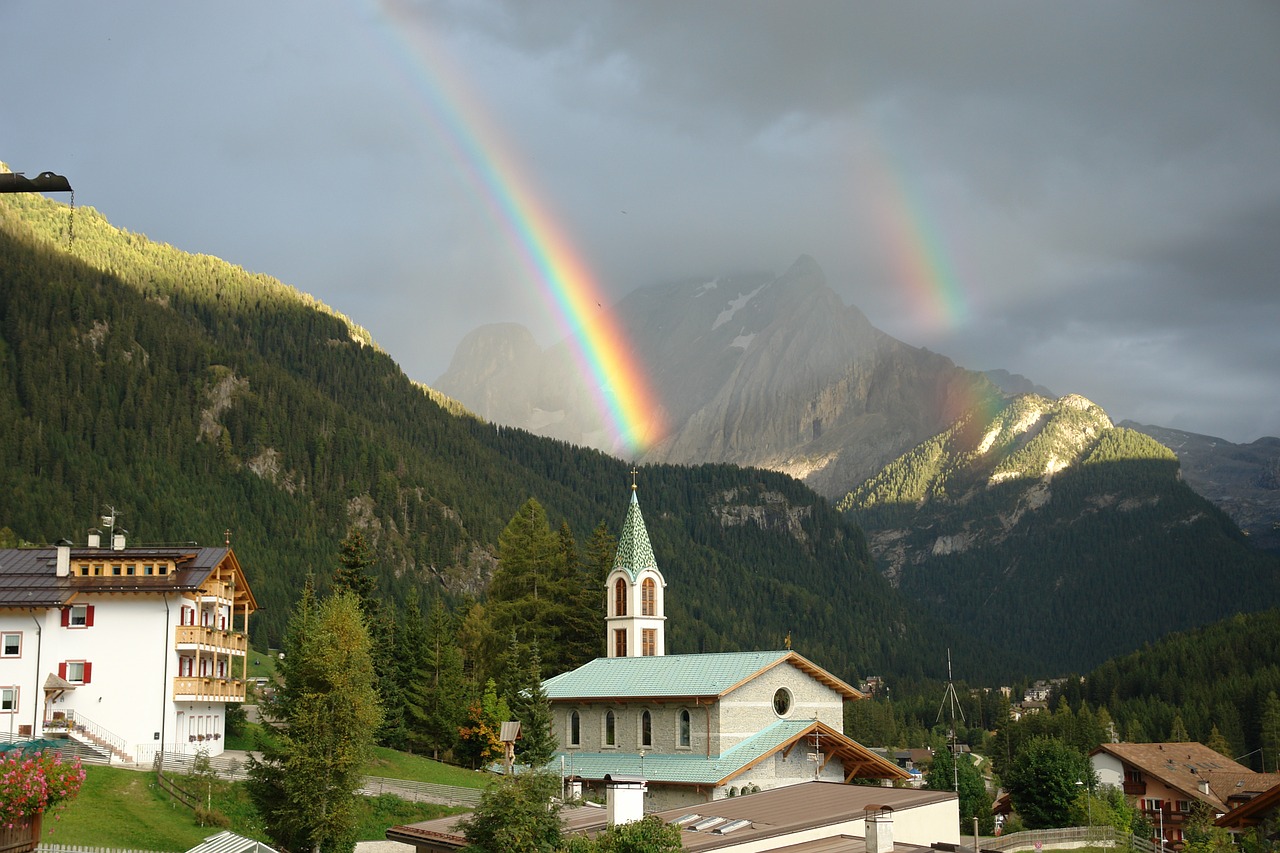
(1042, 781)
(516, 813)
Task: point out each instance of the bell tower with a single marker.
(635, 592)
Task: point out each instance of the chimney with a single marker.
(117, 540)
(624, 799)
(64, 558)
(879, 829)
(95, 537)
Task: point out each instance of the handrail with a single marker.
(78, 722)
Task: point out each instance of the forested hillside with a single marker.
(197, 398)
(1224, 676)
(1049, 529)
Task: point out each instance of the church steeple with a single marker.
(635, 591)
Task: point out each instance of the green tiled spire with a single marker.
(635, 554)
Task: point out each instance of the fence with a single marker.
(429, 791)
(230, 768)
(1068, 838)
(81, 848)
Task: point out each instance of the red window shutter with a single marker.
(62, 669)
(88, 671)
(88, 616)
(66, 616)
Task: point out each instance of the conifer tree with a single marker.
(355, 558)
(529, 705)
(305, 785)
(1270, 734)
(1218, 743)
(438, 694)
(1178, 730)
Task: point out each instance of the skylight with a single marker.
(707, 823)
(685, 820)
(731, 826)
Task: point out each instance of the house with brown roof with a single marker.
(129, 649)
(1260, 814)
(1166, 781)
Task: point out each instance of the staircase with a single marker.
(95, 744)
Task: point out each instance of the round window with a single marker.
(782, 702)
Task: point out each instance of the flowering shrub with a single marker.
(35, 784)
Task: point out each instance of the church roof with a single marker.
(678, 676)
(694, 769)
(634, 553)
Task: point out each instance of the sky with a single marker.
(1085, 193)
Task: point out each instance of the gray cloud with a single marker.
(1095, 183)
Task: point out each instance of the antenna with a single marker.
(950, 697)
(109, 519)
(816, 756)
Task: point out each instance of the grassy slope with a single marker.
(125, 809)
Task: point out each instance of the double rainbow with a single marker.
(607, 363)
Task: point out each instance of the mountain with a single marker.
(766, 372)
(1056, 532)
(1243, 480)
(203, 401)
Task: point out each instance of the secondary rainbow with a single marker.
(916, 248)
(605, 359)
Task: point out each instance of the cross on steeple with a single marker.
(634, 472)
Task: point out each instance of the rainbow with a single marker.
(612, 371)
(917, 251)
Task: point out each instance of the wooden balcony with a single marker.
(1135, 789)
(211, 639)
(215, 589)
(205, 688)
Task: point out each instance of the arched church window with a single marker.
(646, 729)
(684, 727)
(620, 598)
(575, 729)
(610, 729)
(648, 597)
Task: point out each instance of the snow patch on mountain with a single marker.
(735, 305)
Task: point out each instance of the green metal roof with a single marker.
(657, 677)
(634, 553)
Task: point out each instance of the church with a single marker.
(696, 727)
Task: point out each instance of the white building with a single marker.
(696, 727)
(129, 649)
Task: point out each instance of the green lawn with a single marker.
(402, 765)
(125, 808)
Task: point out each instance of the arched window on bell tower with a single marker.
(620, 597)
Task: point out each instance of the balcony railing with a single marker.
(216, 589)
(1135, 789)
(190, 636)
(207, 688)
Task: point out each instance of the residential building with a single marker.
(1260, 814)
(1167, 781)
(821, 817)
(131, 649)
(696, 727)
